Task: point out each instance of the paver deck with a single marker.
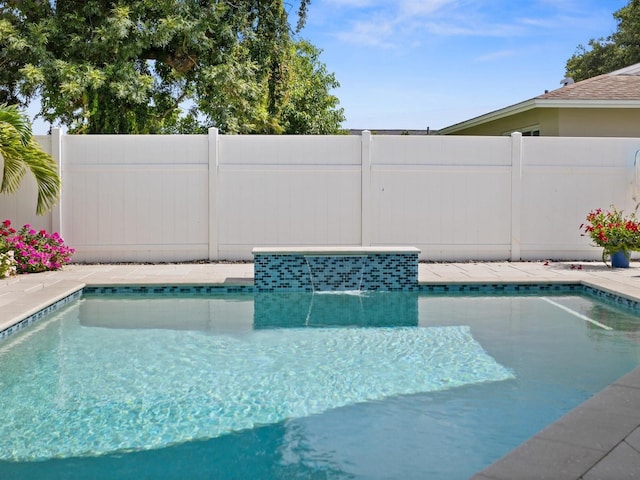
(599, 439)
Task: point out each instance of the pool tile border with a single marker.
(501, 288)
(438, 289)
(166, 290)
(39, 315)
(611, 297)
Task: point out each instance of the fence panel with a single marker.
(136, 198)
(287, 190)
(450, 197)
(562, 180)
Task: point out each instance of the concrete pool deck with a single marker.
(599, 439)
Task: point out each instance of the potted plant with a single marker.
(617, 234)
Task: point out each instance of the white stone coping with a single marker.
(342, 251)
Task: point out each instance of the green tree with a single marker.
(19, 152)
(618, 50)
(131, 67)
(308, 107)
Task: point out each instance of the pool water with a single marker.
(294, 385)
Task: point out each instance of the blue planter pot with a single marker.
(620, 259)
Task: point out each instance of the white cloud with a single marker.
(421, 7)
(412, 22)
(496, 55)
(369, 33)
(471, 29)
(409, 22)
(352, 3)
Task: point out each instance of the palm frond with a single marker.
(45, 170)
(11, 149)
(19, 152)
(10, 115)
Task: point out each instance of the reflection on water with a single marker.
(287, 310)
(219, 314)
(258, 311)
(616, 319)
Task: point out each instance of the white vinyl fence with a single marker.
(151, 198)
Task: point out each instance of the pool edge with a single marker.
(41, 302)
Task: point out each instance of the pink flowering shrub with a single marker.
(34, 251)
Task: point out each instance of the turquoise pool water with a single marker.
(385, 385)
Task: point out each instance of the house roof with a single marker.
(611, 86)
(392, 131)
(617, 89)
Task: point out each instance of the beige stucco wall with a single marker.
(547, 119)
(566, 122)
(599, 122)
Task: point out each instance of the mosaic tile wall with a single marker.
(306, 273)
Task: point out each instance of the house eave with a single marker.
(537, 103)
(563, 103)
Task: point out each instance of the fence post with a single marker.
(57, 224)
(516, 195)
(213, 193)
(365, 189)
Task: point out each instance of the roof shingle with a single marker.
(622, 84)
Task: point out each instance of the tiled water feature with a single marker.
(308, 269)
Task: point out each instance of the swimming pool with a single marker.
(387, 385)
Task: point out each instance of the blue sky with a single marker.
(413, 64)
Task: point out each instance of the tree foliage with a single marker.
(307, 108)
(618, 50)
(153, 66)
(19, 152)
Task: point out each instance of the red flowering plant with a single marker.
(34, 251)
(613, 231)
